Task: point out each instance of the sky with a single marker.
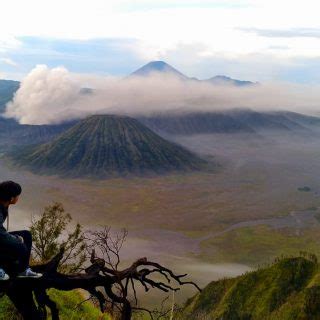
(251, 40)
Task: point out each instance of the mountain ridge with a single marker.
(9, 87)
(107, 145)
(163, 67)
(231, 121)
(224, 80)
(7, 90)
(287, 290)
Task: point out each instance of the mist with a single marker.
(50, 96)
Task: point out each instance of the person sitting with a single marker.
(15, 247)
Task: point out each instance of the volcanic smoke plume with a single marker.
(55, 95)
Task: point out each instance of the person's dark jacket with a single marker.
(5, 236)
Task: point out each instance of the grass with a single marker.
(69, 303)
(255, 245)
(287, 290)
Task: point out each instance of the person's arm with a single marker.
(4, 234)
(10, 237)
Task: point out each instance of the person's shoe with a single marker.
(3, 275)
(28, 273)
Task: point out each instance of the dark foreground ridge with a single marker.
(107, 145)
(287, 290)
(24, 291)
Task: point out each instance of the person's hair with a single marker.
(9, 189)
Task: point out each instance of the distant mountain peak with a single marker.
(224, 80)
(222, 77)
(157, 67)
(163, 67)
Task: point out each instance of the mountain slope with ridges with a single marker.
(13, 134)
(231, 121)
(195, 123)
(105, 145)
(287, 290)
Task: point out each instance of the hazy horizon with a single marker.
(54, 95)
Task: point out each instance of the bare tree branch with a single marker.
(104, 271)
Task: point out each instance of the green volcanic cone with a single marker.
(107, 145)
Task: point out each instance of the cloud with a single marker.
(284, 33)
(43, 94)
(100, 56)
(165, 4)
(119, 57)
(213, 23)
(99, 40)
(263, 66)
(54, 95)
(8, 43)
(9, 62)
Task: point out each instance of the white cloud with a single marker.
(8, 42)
(213, 23)
(9, 62)
(285, 33)
(45, 93)
(218, 28)
(52, 95)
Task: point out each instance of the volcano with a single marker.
(158, 67)
(107, 145)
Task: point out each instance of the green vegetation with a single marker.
(103, 146)
(257, 244)
(288, 289)
(304, 189)
(71, 307)
(47, 233)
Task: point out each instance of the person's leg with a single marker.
(27, 240)
(25, 270)
(16, 254)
